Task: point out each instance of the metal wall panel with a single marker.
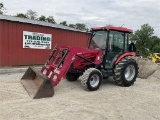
(12, 52)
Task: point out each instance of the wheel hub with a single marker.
(130, 73)
(94, 80)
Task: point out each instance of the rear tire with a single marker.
(72, 76)
(91, 79)
(126, 72)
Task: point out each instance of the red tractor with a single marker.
(108, 55)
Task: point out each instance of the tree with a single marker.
(31, 14)
(63, 23)
(79, 26)
(2, 8)
(143, 39)
(155, 44)
(72, 26)
(21, 15)
(42, 18)
(50, 19)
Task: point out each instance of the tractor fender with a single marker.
(124, 55)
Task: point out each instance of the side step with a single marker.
(36, 84)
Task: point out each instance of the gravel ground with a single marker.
(72, 102)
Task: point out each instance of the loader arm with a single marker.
(64, 57)
(58, 66)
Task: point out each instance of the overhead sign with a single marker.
(37, 40)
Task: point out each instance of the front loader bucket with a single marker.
(36, 84)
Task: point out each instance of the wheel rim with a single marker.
(94, 80)
(130, 73)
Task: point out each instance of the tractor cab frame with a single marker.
(113, 41)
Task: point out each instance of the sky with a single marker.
(127, 13)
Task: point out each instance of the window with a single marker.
(99, 40)
(116, 41)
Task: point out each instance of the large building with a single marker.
(29, 42)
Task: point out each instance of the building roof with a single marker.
(36, 22)
(113, 28)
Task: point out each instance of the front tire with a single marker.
(91, 79)
(126, 72)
